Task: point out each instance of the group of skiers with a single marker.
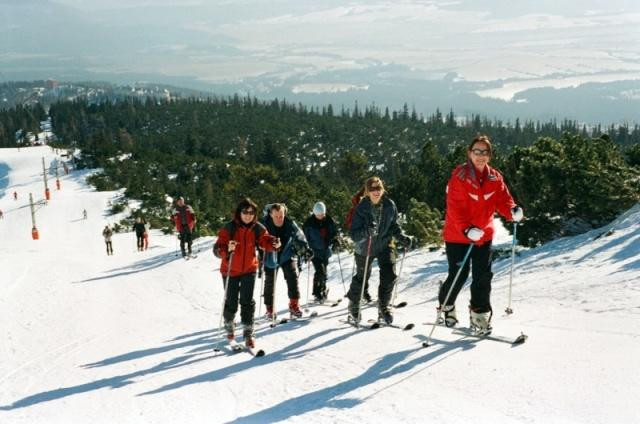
(245, 245)
(475, 192)
(140, 227)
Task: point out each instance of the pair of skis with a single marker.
(470, 332)
(294, 318)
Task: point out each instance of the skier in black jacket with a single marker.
(140, 229)
(375, 231)
(320, 231)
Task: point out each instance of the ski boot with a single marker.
(354, 312)
(294, 309)
(229, 327)
(480, 322)
(269, 314)
(450, 318)
(384, 314)
(249, 339)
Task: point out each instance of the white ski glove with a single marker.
(474, 233)
(517, 214)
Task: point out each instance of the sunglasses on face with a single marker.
(248, 212)
(376, 188)
(480, 152)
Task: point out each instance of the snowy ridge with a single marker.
(130, 338)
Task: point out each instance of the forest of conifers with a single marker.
(213, 151)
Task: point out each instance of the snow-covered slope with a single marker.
(129, 338)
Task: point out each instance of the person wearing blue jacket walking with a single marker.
(292, 243)
(320, 231)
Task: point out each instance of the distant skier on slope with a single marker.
(107, 233)
(185, 221)
(474, 193)
(139, 228)
(241, 236)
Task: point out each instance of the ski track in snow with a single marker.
(130, 338)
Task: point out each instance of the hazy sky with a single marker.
(528, 42)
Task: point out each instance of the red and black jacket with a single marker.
(247, 237)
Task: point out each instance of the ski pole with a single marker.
(395, 288)
(224, 299)
(273, 297)
(513, 255)
(344, 288)
(433, 327)
(306, 309)
(261, 285)
(364, 278)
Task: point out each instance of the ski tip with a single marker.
(375, 325)
(314, 314)
(401, 305)
(409, 326)
(260, 353)
(520, 339)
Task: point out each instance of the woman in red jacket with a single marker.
(474, 193)
(241, 236)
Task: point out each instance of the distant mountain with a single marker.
(49, 91)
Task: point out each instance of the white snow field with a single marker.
(129, 338)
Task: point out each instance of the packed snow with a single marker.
(130, 338)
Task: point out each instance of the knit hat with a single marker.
(319, 208)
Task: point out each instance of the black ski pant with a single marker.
(140, 241)
(185, 237)
(240, 288)
(386, 263)
(290, 275)
(480, 261)
(319, 275)
(109, 247)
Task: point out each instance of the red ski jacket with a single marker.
(244, 260)
(183, 211)
(472, 200)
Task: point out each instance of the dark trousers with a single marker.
(290, 275)
(386, 263)
(139, 241)
(109, 248)
(320, 275)
(185, 237)
(240, 287)
(480, 261)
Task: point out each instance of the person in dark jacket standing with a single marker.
(185, 221)
(107, 233)
(474, 193)
(140, 229)
(241, 236)
(320, 232)
(374, 231)
(292, 243)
